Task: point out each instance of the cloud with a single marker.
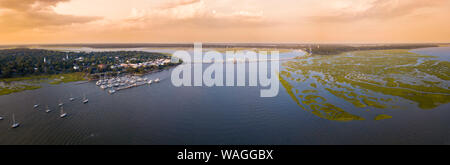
(192, 13)
(28, 14)
(176, 3)
(379, 10)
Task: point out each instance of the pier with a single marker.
(130, 86)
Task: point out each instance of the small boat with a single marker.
(112, 91)
(157, 80)
(14, 125)
(47, 110)
(63, 114)
(85, 100)
(60, 103)
(149, 82)
(36, 105)
(103, 87)
(1, 118)
(71, 98)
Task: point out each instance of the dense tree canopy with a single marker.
(23, 61)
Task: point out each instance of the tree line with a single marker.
(23, 61)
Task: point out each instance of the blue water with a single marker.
(165, 114)
(440, 53)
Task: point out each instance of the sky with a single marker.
(234, 21)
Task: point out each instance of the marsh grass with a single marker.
(19, 84)
(367, 79)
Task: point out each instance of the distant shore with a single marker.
(312, 48)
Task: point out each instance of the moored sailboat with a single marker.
(48, 110)
(62, 113)
(14, 124)
(85, 100)
(71, 98)
(60, 103)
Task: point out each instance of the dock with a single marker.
(130, 86)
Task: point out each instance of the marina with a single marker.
(114, 84)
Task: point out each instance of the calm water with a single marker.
(164, 114)
(441, 53)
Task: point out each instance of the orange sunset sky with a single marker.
(300, 21)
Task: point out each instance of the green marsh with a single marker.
(348, 86)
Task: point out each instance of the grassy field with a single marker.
(19, 84)
(17, 88)
(31, 77)
(68, 77)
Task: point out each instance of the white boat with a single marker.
(85, 100)
(157, 80)
(99, 82)
(1, 118)
(14, 125)
(103, 86)
(36, 105)
(47, 110)
(149, 82)
(63, 114)
(112, 91)
(71, 98)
